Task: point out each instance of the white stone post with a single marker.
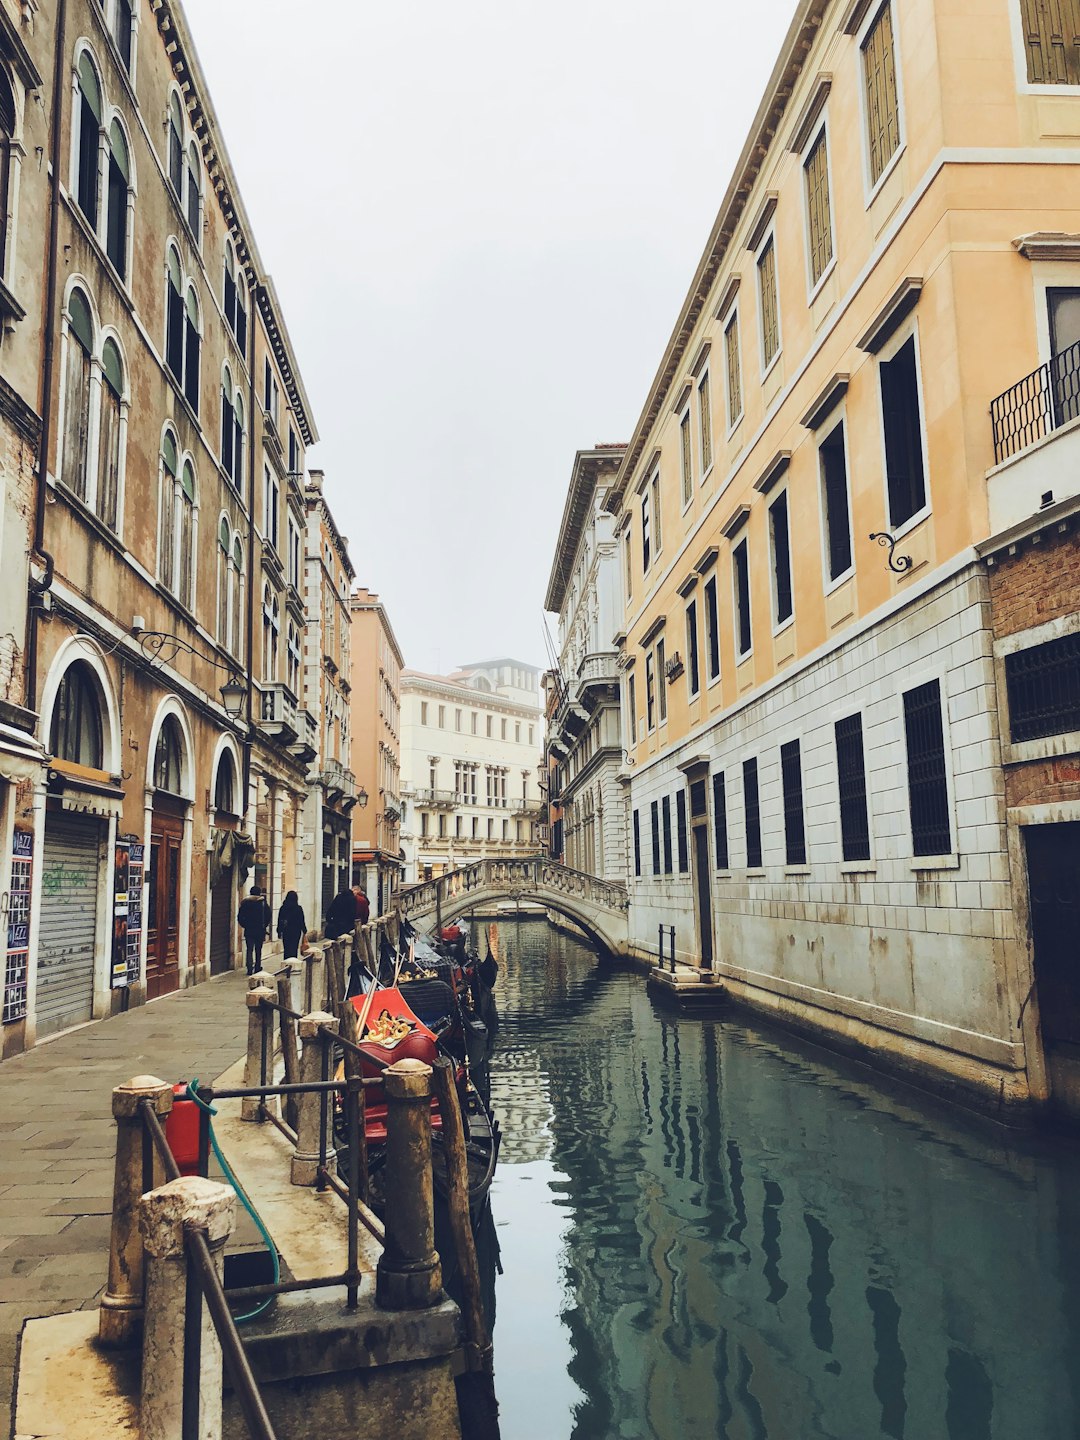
(305, 1162)
(250, 1106)
(165, 1216)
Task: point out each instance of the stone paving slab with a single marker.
(57, 1145)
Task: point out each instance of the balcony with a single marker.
(424, 798)
(1036, 426)
(598, 668)
(338, 782)
(306, 746)
(278, 714)
(527, 810)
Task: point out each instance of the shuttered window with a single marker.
(680, 832)
(780, 541)
(734, 371)
(687, 459)
(882, 106)
(705, 422)
(927, 785)
(1052, 41)
(851, 776)
(654, 816)
(819, 211)
(770, 308)
(720, 826)
(637, 842)
(751, 814)
(665, 810)
(794, 822)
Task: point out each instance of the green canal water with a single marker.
(707, 1229)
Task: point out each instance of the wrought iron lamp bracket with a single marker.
(898, 564)
(161, 646)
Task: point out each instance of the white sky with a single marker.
(481, 219)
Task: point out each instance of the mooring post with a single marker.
(305, 1162)
(121, 1310)
(409, 1273)
(259, 1050)
(176, 1320)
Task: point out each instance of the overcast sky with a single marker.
(481, 219)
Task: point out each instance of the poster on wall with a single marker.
(18, 931)
(134, 915)
(121, 863)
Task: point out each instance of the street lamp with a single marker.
(233, 695)
(362, 798)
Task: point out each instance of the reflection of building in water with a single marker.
(763, 1247)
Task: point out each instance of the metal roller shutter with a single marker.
(68, 931)
(222, 926)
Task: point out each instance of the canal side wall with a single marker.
(914, 961)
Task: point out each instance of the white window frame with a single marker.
(712, 579)
(732, 314)
(909, 330)
(768, 238)
(743, 539)
(704, 381)
(691, 604)
(778, 626)
(686, 417)
(814, 287)
(657, 533)
(828, 585)
(871, 188)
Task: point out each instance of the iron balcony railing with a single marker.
(1037, 405)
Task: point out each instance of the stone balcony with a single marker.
(278, 714)
(306, 746)
(425, 798)
(339, 782)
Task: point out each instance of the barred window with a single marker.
(819, 212)
(882, 106)
(1052, 41)
(637, 842)
(752, 814)
(654, 816)
(665, 811)
(705, 422)
(1044, 689)
(734, 372)
(680, 831)
(720, 827)
(770, 308)
(851, 773)
(687, 460)
(928, 796)
(794, 822)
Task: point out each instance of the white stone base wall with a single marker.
(913, 955)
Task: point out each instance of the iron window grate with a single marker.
(752, 812)
(637, 842)
(680, 830)
(794, 823)
(851, 772)
(654, 815)
(928, 796)
(720, 827)
(1043, 684)
(665, 810)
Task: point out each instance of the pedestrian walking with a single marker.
(254, 919)
(291, 925)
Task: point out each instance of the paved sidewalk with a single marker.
(57, 1144)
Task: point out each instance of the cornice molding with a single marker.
(898, 306)
(707, 558)
(761, 221)
(727, 299)
(826, 401)
(1048, 245)
(810, 113)
(735, 521)
(772, 472)
(652, 632)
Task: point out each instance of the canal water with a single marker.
(708, 1229)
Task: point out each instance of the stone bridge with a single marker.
(598, 906)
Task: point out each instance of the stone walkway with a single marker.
(57, 1144)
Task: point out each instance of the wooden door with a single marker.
(163, 906)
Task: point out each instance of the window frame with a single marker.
(703, 386)
(918, 680)
(828, 583)
(686, 454)
(778, 625)
(872, 187)
(851, 863)
(712, 587)
(731, 318)
(743, 544)
(819, 133)
(885, 356)
(693, 651)
(767, 240)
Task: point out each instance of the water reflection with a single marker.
(708, 1230)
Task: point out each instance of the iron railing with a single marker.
(1037, 405)
(669, 932)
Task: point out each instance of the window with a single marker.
(442, 717)
(1051, 35)
(780, 542)
(752, 814)
(88, 150)
(654, 815)
(851, 774)
(225, 785)
(637, 842)
(272, 496)
(532, 735)
(1043, 685)
(905, 476)
(292, 658)
(120, 195)
(122, 25)
(271, 624)
(836, 513)
(650, 692)
(665, 811)
(474, 721)
(79, 344)
(880, 93)
(174, 315)
(270, 392)
(720, 826)
(686, 455)
(655, 489)
(109, 434)
(93, 472)
(517, 732)
(646, 533)
(76, 732)
(232, 430)
(457, 720)
(489, 725)
(712, 630)
(693, 669)
(176, 145)
(8, 117)
(425, 821)
(235, 293)
(169, 481)
(423, 712)
(680, 831)
(818, 208)
(628, 553)
(794, 821)
(733, 370)
(192, 342)
(661, 681)
(631, 709)
(927, 786)
(704, 423)
(490, 828)
(193, 205)
(740, 560)
(168, 756)
(230, 587)
(769, 304)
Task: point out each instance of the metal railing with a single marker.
(1037, 405)
(663, 930)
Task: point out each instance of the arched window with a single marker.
(224, 550)
(7, 136)
(76, 733)
(123, 30)
(109, 435)
(88, 178)
(235, 297)
(191, 348)
(236, 594)
(194, 195)
(232, 430)
(225, 787)
(116, 219)
(174, 316)
(170, 469)
(187, 530)
(293, 659)
(176, 145)
(271, 610)
(80, 347)
(168, 756)
(238, 441)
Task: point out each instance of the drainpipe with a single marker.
(251, 556)
(48, 360)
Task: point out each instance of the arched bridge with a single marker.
(598, 906)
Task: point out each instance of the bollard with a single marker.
(305, 1162)
(409, 1273)
(251, 1107)
(164, 1216)
(121, 1311)
(261, 980)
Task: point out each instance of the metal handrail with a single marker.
(1037, 405)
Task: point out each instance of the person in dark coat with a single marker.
(341, 916)
(254, 919)
(363, 906)
(291, 925)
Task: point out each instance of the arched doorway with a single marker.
(164, 871)
(224, 900)
(74, 853)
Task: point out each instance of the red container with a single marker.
(182, 1131)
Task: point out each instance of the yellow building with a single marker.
(816, 800)
(376, 750)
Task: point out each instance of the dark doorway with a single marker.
(703, 886)
(1053, 858)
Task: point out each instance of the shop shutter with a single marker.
(65, 967)
(222, 925)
